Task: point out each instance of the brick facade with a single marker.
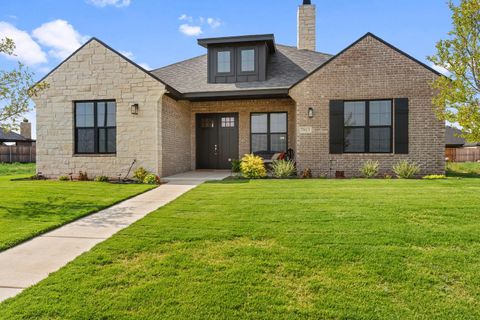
(95, 72)
(368, 70)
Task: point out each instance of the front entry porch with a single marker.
(198, 176)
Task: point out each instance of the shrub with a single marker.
(151, 179)
(82, 176)
(140, 174)
(64, 178)
(283, 168)
(405, 170)
(236, 166)
(307, 173)
(369, 169)
(434, 177)
(387, 176)
(101, 179)
(252, 167)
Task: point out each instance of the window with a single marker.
(95, 127)
(368, 126)
(228, 122)
(248, 60)
(269, 132)
(223, 62)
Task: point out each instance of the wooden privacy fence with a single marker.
(463, 154)
(12, 154)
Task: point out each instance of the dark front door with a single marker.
(217, 140)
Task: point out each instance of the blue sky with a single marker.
(157, 33)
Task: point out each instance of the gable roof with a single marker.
(369, 34)
(170, 89)
(285, 67)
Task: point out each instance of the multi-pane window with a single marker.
(268, 132)
(248, 60)
(368, 126)
(223, 62)
(228, 122)
(95, 127)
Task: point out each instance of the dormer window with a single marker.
(223, 62)
(238, 59)
(247, 60)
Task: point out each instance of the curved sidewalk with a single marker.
(30, 262)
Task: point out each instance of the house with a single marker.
(458, 149)
(24, 138)
(247, 94)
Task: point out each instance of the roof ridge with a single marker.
(304, 50)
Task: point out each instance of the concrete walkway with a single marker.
(30, 262)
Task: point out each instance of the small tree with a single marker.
(16, 89)
(458, 100)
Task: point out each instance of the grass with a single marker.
(463, 169)
(8, 169)
(276, 249)
(29, 208)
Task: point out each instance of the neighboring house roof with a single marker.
(453, 139)
(12, 137)
(285, 67)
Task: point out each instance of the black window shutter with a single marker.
(401, 126)
(336, 126)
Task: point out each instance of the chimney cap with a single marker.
(307, 2)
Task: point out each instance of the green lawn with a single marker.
(28, 208)
(463, 169)
(272, 249)
(7, 169)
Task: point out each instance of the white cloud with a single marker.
(60, 36)
(145, 66)
(185, 17)
(128, 54)
(440, 69)
(190, 30)
(104, 3)
(214, 23)
(27, 50)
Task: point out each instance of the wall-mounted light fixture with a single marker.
(310, 112)
(134, 109)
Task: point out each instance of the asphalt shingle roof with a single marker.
(285, 67)
(11, 136)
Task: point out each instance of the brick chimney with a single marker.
(306, 36)
(26, 129)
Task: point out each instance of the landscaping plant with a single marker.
(283, 168)
(236, 166)
(369, 169)
(101, 179)
(82, 176)
(307, 173)
(140, 174)
(63, 178)
(151, 179)
(252, 167)
(405, 170)
(434, 177)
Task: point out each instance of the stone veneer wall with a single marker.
(244, 108)
(95, 72)
(176, 136)
(368, 70)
